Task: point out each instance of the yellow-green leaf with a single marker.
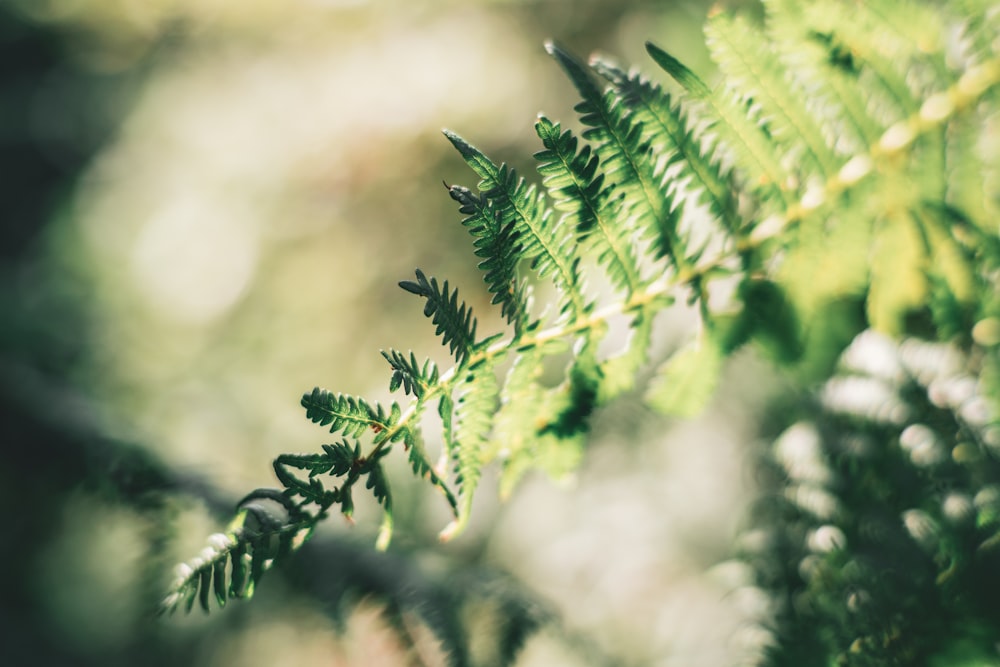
(686, 382)
(898, 277)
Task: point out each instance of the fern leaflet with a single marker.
(624, 154)
(497, 243)
(350, 415)
(454, 320)
(751, 66)
(408, 373)
(472, 421)
(723, 115)
(542, 242)
(579, 189)
(667, 128)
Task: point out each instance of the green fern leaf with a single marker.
(669, 133)
(497, 243)
(472, 421)
(886, 63)
(350, 415)
(238, 576)
(379, 485)
(205, 588)
(312, 490)
(752, 67)
(246, 549)
(219, 583)
(625, 156)
(967, 189)
(898, 274)
(316, 464)
(685, 383)
(421, 465)
(830, 73)
(578, 188)
(618, 372)
(578, 398)
(453, 319)
(744, 141)
(342, 457)
(542, 242)
(524, 438)
(259, 563)
(410, 374)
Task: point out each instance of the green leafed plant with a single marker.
(842, 176)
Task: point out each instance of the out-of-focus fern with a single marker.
(842, 176)
(877, 539)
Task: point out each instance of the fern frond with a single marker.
(267, 528)
(827, 73)
(618, 372)
(751, 66)
(379, 485)
(854, 183)
(543, 243)
(593, 208)
(738, 137)
(891, 485)
(911, 35)
(968, 178)
(348, 465)
(311, 490)
(410, 374)
(577, 397)
(669, 132)
(898, 274)
(686, 381)
(524, 438)
(625, 156)
(979, 25)
(472, 421)
(498, 244)
(453, 319)
(884, 64)
(421, 465)
(350, 415)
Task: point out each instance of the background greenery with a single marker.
(207, 208)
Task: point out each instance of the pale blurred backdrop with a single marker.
(241, 187)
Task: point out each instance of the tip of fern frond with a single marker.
(598, 57)
(384, 534)
(451, 530)
(553, 48)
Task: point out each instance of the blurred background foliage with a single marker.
(207, 207)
